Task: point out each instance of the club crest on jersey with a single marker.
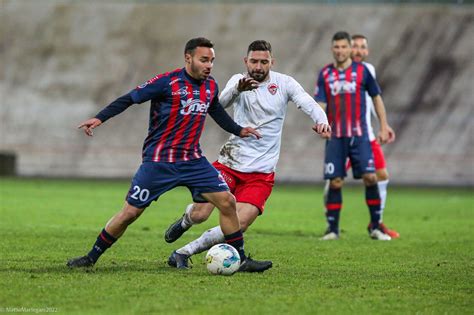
(193, 107)
(272, 88)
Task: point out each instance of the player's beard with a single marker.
(259, 76)
(199, 72)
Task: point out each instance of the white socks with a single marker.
(383, 195)
(187, 222)
(204, 242)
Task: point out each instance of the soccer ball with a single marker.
(222, 259)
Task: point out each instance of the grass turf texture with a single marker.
(429, 270)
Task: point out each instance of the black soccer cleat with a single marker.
(80, 262)
(178, 260)
(250, 265)
(175, 231)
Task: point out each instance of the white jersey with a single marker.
(370, 105)
(264, 109)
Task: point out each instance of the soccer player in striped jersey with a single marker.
(260, 98)
(180, 101)
(341, 88)
(360, 51)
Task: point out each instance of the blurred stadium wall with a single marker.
(62, 61)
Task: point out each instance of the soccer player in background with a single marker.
(341, 87)
(360, 51)
(180, 101)
(260, 98)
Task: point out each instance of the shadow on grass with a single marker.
(122, 267)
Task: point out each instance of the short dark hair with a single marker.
(341, 35)
(259, 45)
(360, 36)
(193, 43)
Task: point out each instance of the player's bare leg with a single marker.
(113, 230)
(194, 213)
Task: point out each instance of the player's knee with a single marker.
(336, 183)
(369, 179)
(227, 203)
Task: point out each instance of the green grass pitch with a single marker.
(429, 270)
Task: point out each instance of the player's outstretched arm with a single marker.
(90, 124)
(114, 108)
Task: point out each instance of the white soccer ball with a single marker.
(222, 259)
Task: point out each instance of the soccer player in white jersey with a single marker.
(260, 98)
(360, 51)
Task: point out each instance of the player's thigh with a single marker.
(200, 177)
(151, 180)
(255, 189)
(379, 157)
(362, 160)
(335, 158)
(228, 174)
(223, 200)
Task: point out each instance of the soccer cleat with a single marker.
(377, 234)
(392, 233)
(330, 236)
(80, 262)
(175, 231)
(386, 230)
(178, 260)
(250, 265)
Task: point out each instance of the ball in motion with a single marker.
(222, 259)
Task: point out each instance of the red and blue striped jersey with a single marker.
(179, 105)
(343, 91)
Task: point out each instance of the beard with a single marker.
(199, 72)
(258, 75)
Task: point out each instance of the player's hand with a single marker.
(248, 131)
(383, 136)
(90, 124)
(247, 84)
(391, 135)
(324, 130)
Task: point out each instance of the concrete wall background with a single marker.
(61, 62)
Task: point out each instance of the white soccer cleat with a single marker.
(331, 236)
(378, 235)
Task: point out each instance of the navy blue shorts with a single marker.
(155, 178)
(357, 149)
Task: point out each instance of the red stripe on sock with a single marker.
(105, 239)
(234, 239)
(373, 202)
(334, 206)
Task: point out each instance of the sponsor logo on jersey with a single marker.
(182, 91)
(342, 87)
(272, 88)
(193, 107)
